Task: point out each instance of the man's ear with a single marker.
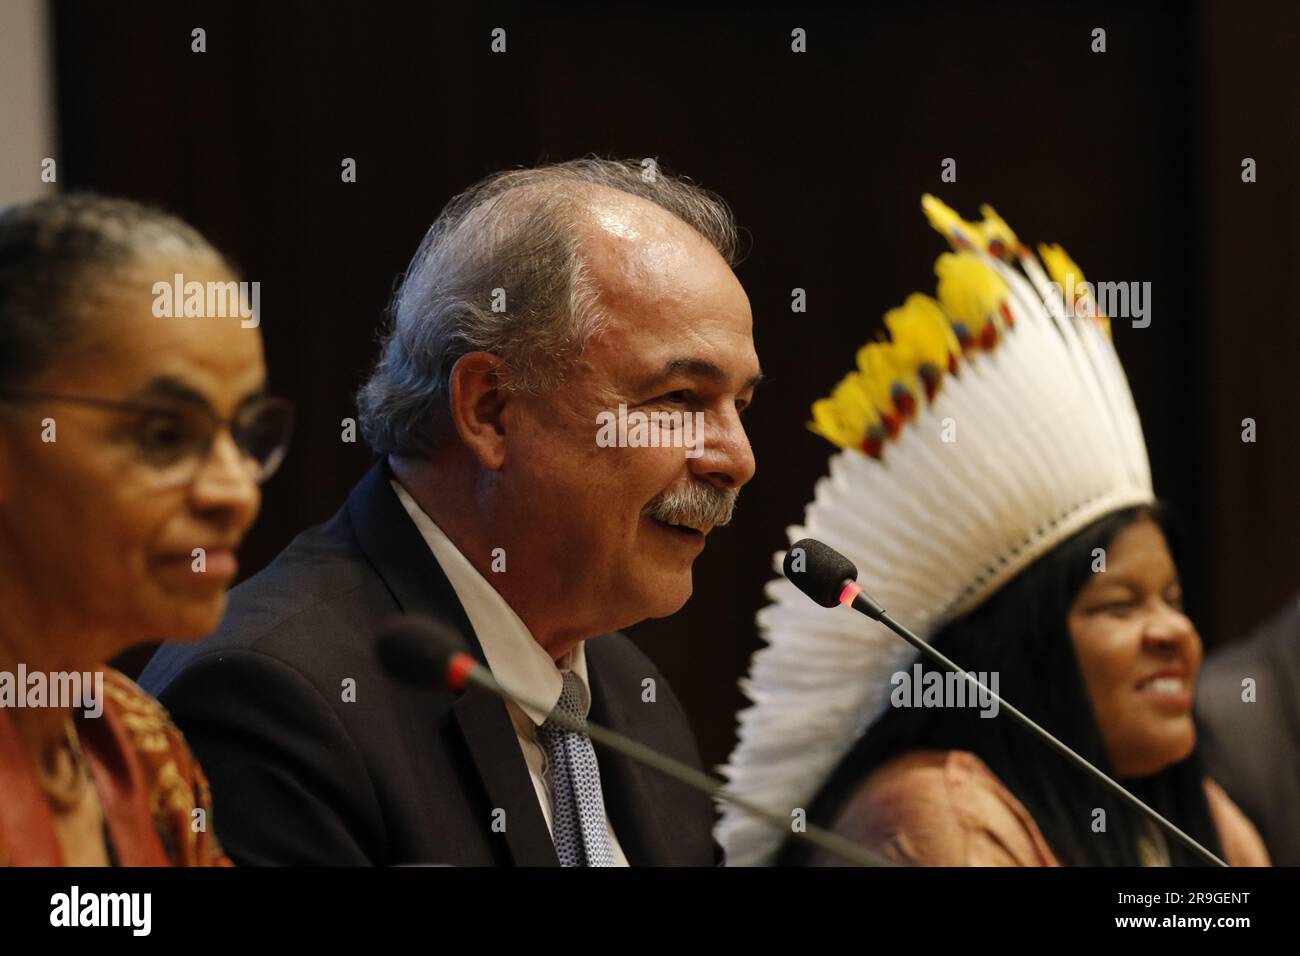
(478, 401)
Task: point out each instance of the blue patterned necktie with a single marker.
(577, 807)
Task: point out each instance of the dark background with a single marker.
(1131, 159)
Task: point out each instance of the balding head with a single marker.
(507, 268)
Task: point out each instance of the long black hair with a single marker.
(1022, 633)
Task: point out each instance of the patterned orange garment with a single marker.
(156, 802)
(947, 808)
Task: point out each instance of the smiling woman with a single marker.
(131, 450)
(993, 491)
(1090, 641)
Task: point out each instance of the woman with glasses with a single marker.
(132, 445)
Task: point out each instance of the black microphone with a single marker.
(420, 650)
(825, 575)
(829, 578)
(424, 651)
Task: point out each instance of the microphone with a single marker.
(421, 650)
(829, 578)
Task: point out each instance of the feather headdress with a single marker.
(991, 424)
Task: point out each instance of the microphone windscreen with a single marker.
(417, 649)
(818, 570)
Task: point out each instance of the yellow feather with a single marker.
(995, 229)
(950, 225)
(1065, 272)
(880, 367)
(921, 332)
(969, 290)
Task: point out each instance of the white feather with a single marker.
(1047, 440)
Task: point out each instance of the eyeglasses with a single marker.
(176, 437)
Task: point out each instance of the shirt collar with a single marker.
(517, 661)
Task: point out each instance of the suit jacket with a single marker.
(401, 774)
(1253, 749)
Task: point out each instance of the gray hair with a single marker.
(48, 247)
(513, 234)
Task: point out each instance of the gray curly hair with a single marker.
(516, 232)
(48, 248)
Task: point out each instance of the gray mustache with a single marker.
(698, 503)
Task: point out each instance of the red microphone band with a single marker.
(851, 590)
(458, 670)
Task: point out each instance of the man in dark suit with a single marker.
(519, 497)
(1251, 731)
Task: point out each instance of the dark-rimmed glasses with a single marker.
(175, 437)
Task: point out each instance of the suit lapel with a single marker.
(490, 735)
(635, 795)
(394, 546)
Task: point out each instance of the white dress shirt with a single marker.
(517, 661)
